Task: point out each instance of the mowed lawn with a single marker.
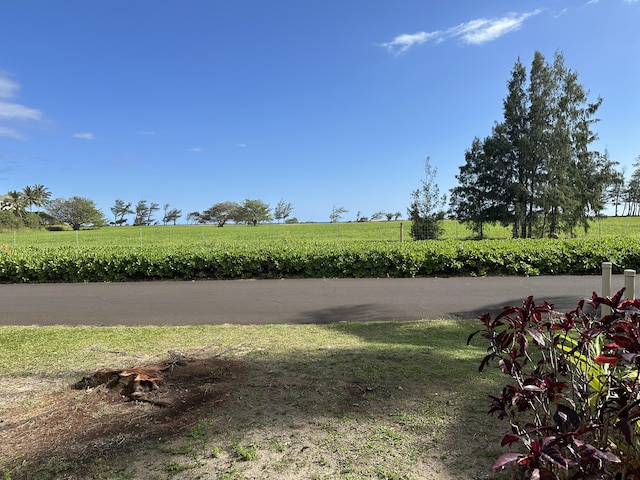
(381, 231)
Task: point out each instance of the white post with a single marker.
(606, 287)
(629, 284)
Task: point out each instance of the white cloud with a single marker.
(631, 1)
(8, 88)
(11, 111)
(474, 32)
(404, 42)
(196, 149)
(147, 132)
(84, 136)
(15, 111)
(241, 145)
(11, 133)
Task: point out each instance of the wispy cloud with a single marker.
(147, 132)
(13, 112)
(241, 145)
(474, 32)
(84, 136)
(196, 149)
(11, 133)
(631, 1)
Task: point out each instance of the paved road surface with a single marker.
(283, 301)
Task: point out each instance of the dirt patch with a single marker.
(45, 425)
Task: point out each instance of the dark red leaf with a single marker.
(471, 336)
(567, 418)
(509, 439)
(554, 456)
(485, 361)
(611, 359)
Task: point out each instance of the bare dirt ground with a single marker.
(210, 417)
(45, 425)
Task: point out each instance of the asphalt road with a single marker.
(284, 301)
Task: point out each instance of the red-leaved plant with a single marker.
(573, 400)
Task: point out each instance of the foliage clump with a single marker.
(573, 398)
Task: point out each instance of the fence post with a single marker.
(606, 287)
(401, 233)
(629, 284)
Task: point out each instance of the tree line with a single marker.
(16, 211)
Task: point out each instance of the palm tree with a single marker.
(36, 195)
(28, 197)
(17, 201)
(42, 195)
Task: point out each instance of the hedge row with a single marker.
(282, 260)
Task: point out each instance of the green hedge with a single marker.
(282, 259)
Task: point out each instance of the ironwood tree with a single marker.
(537, 171)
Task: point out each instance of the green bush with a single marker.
(315, 260)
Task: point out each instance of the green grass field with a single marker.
(269, 233)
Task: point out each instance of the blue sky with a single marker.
(320, 103)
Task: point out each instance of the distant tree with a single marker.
(632, 191)
(193, 217)
(479, 197)
(253, 212)
(220, 213)
(283, 210)
(170, 214)
(377, 216)
(154, 207)
(120, 210)
(336, 214)
(291, 220)
(77, 212)
(35, 195)
(144, 213)
(42, 195)
(141, 213)
(615, 193)
(17, 203)
(425, 210)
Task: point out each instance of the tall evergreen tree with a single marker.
(539, 157)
